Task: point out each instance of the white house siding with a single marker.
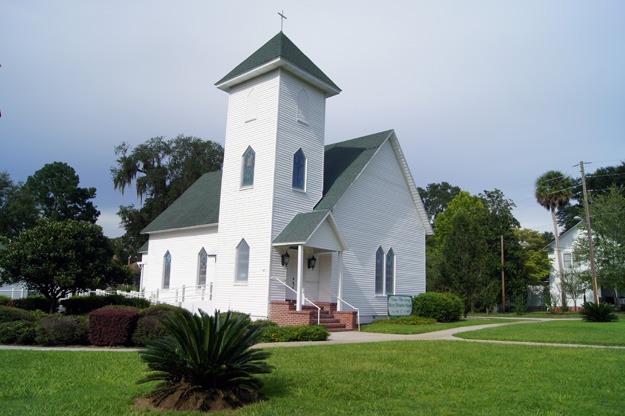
(184, 247)
(245, 213)
(378, 210)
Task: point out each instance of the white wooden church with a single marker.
(291, 229)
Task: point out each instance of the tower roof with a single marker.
(279, 52)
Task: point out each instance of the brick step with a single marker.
(335, 327)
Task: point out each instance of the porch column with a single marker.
(300, 277)
(339, 304)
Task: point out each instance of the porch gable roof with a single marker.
(305, 226)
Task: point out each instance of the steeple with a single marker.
(279, 52)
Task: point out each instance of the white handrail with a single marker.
(305, 298)
(353, 307)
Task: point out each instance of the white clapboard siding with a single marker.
(378, 210)
(184, 247)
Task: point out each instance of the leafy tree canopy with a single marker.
(17, 208)
(436, 197)
(57, 258)
(161, 170)
(54, 188)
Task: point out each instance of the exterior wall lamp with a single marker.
(284, 259)
(311, 262)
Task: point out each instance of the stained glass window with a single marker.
(247, 171)
(299, 170)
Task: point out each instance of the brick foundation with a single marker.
(284, 313)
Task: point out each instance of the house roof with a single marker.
(197, 206)
(144, 247)
(344, 162)
(304, 225)
(552, 244)
(279, 52)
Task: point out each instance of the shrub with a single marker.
(205, 361)
(80, 305)
(271, 333)
(57, 329)
(17, 332)
(406, 320)
(9, 314)
(150, 324)
(31, 303)
(112, 326)
(444, 307)
(4, 300)
(598, 312)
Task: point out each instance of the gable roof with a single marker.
(304, 225)
(197, 206)
(279, 52)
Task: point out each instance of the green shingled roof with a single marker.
(343, 163)
(198, 205)
(301, 227)
(281, 47)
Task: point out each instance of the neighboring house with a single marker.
(290, 221)
(570, 264)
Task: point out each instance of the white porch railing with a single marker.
(304, 297)
(15, 293)
(353, 307)
(173, 296)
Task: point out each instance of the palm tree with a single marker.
(554, 191)
(205, 362)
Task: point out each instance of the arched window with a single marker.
(247, 170)
(202, 263)
(390, 272)
(166, 269)
(303, 106)
(379, 271)
(252, 105)
(299, 170)
(242, 262)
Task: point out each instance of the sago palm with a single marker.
(554, 191)
(205, 359)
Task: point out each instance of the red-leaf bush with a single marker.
(111, 326)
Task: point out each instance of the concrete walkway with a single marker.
(355, 337)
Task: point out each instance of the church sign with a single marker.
(399, 305)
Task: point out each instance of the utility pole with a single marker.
(589, 230)
(503, 280)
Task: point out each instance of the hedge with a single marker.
(444, 307)
(270, 333)
(112, 326)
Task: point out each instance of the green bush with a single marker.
(270, 333)
(406, 320)
(598, 312)
(444, 307)
(9, 314)
(31, 303)
(150, 323)
(4, 300)
(57, 329)
(81, 305)
(17, 332)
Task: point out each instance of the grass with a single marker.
(383, 327)
(394, 378)
(561, 332)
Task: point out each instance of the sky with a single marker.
(481, 94)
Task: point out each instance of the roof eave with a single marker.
(276, 63)
(193, 227)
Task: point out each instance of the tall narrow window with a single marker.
(247, 170)
(302, 107)
(567, 259)
(299, 170)
(166, 269)
(202, 263)
(390, 272)
(379, 271)
(242, 262)
(252, 105)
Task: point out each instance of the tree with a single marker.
(161, 171)
(608, 230)
(57, 258)
(536, 265)
(17, 208)
(553, 191)
(436, 197)
(57, 196)
(575, 283)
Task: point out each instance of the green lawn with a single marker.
(394, 378)
(385, 328)
(563, 332)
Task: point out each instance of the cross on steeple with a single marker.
(282, 19)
